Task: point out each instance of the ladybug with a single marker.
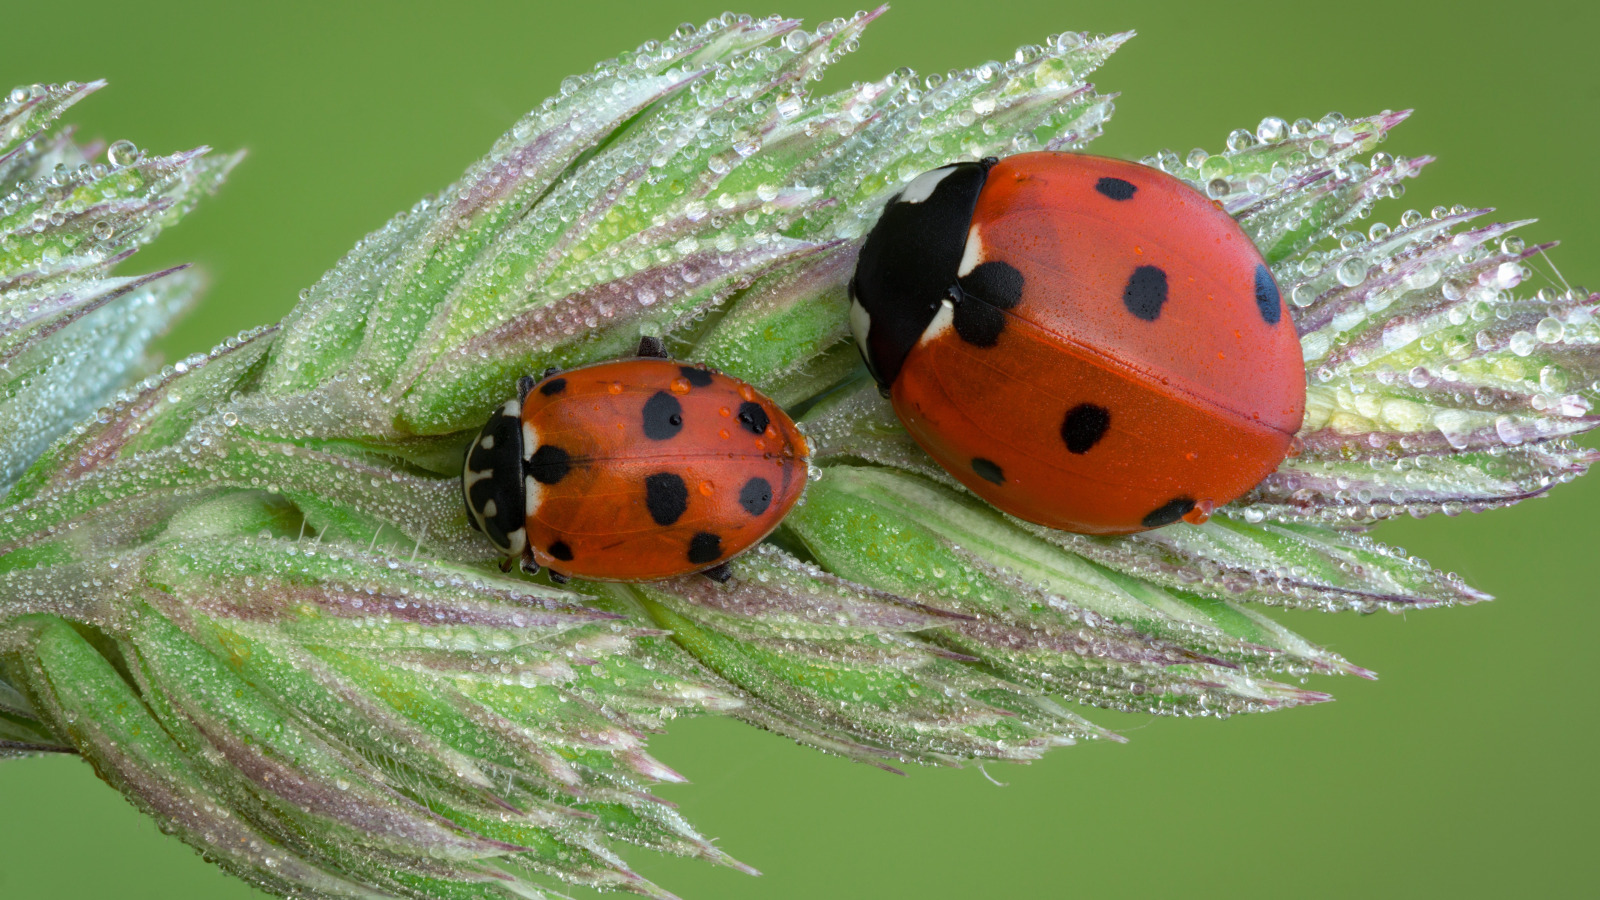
(1086, 343)
(632, 470)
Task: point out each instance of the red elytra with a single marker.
(634, 470)
(1086, 343)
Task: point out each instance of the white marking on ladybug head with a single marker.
(923, 186)
(490, 509)
(512, 409)
(942, 321)
(516, 542)
(860, 324)
(972, 255)
(487, 443)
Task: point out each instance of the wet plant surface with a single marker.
(244, 588)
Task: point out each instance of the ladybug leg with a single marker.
(720, 573)
(525, 386)
(529, 567)
(505, 564)
(558, 578)
(652, 347)
(553, 370)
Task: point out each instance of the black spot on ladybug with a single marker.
(553, 387)
(704, 547)
(1115, 188)
(696, 377)
(560, 551)
(756, 496)
(987, 470)
(1084, 426)
(995, 283)
(663, 416)
(1168, 512)
(1267, 299)
(978, 323)
(666, 496)
(1146, 292)
(753, 417)
(549, 464)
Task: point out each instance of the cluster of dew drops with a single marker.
(49, 195)
(583, 100)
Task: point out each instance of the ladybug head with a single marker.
(907, 266)
(492, 480)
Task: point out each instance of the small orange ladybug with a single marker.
(1085, 343)
(633, 470)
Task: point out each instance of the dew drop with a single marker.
(1272, 130)
(1215, 167)
(1352, 272)
(122, 153)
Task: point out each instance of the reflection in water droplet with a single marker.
(1271, 130)
(122, 153)
(1352, 272)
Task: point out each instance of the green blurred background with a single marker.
(1468, 770)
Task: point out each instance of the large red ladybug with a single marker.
(1086, 343)
(633, 470)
